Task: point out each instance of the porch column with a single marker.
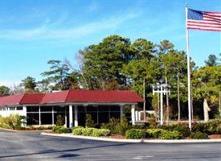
(136, 116)
(52, 115)
(39, 115)
(139, 116)
(24, 113)
(75, 116)
(70, 116)
(65, 117)
(133, 114)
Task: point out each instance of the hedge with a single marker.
(77, 130)
(11, 122)
(154, 133)
(183, 129)
(170, 135)
(198, 135)
(135, 134)
(210, 127)
(90, 131)
(61, 129)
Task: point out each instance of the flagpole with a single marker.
(188, 74)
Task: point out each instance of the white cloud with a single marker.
(9, 83)
(45, 32)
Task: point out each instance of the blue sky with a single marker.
(34, 31)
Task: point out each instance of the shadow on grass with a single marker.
(61, 151)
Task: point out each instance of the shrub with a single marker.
(154, 133)
(122, 126)
(198, 135)
(11, 122)
(210, 127)
(89, 121)
(135, 134)
(60, 120)
(165, 134)
(61, 129)
(87, 131)
(200, 127)
(117, 126)
(111, 125)
(144, 126)
(90, 131)
(101, 132)
(77, 130)
(152, 121)
(214, 127)
(181, 128)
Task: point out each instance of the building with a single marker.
(72, 105)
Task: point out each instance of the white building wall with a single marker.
(7, 111)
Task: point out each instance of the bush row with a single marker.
(131, 134)
(90, 131)
(11, 122)
(61, 129)
(152, 133)
(117, 126)
(178, 131)
(210, 127)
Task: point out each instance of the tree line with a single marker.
(119, 63)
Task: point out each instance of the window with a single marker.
(32, 119)
(19, 108)
(46, 118)
(32, 109)
(12, 108)
(46, 108)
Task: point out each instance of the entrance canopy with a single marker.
(72, 97)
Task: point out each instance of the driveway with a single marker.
(31, 146)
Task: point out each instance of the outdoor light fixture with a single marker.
(162, 89)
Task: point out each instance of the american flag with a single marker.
(203, 20)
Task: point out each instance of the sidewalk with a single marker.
(155, 141)
(14, 130)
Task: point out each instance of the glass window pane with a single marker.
(46, 118)
(32, 109)
(32, 119)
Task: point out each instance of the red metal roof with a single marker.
(72, 96)
(56, 97)
(11, 100)
(101, 96)
(34, 98)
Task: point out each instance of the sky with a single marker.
(35, 31)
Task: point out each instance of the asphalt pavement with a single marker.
(31, 146)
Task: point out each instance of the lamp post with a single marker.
(162, 89)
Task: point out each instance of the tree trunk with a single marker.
(144, 97)
(167, 104)
(178, 95)
(206, 110)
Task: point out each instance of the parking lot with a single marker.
(33, 146)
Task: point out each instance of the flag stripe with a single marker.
(207, 29)
(204, 24)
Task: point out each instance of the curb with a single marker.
(8, 130)
(94, 138)
(182, 141)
